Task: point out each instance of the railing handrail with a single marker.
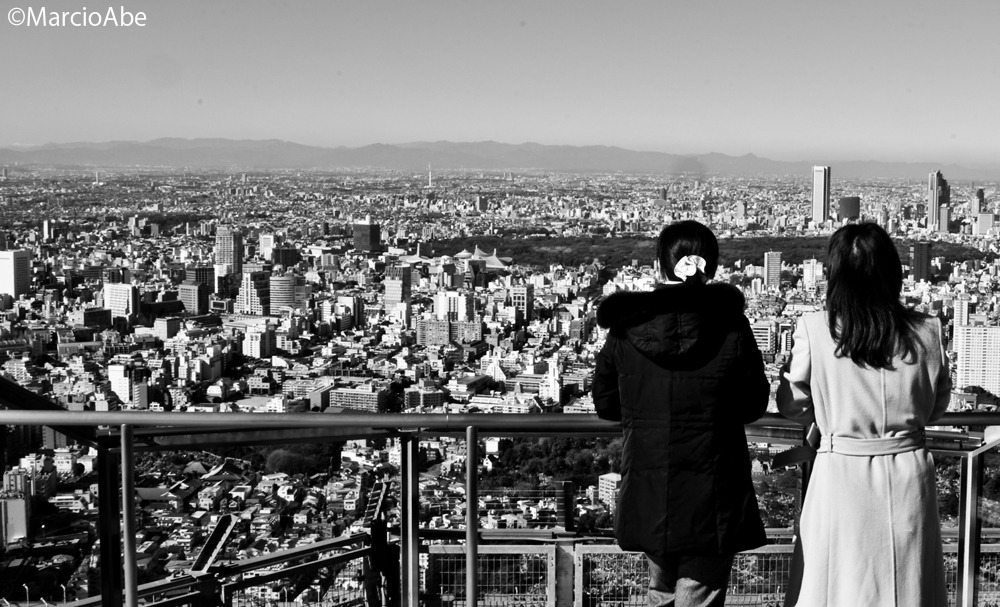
(432, 422)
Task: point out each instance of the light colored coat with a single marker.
(869, 529)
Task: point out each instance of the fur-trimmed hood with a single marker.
(672, 319)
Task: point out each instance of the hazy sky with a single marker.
(791, 80)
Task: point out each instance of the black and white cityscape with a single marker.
(364, 216)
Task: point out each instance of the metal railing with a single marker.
(120, 434)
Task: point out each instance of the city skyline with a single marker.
(783, 80)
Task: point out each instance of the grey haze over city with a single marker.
(485, 155)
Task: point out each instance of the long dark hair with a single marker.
(684, 238)
(867, 320)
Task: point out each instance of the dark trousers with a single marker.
(688, 581)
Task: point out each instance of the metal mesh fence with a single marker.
(611, 577)
(521, 576)
(340, 585)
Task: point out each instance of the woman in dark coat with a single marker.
(682, 372)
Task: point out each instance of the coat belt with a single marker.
(867, 447)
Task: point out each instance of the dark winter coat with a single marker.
(682, 371)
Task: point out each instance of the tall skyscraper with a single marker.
(367, 235)
(255, 290)
(963, 307)
(772, 269)
(229, 248)
(522, 297)
(978, 349)
(821, 194)
(920, 261)
(15, 272)
(938, 196)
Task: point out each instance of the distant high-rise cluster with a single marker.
(938, 201)
(821, 194)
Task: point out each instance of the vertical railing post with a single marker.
(471, 515)
(128, 517)
(969, 523)
(109, 525)
(409, 551)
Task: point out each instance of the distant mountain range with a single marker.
(481, 155)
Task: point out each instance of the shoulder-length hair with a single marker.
(867, 320)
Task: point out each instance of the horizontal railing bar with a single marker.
(553, 422)
(491, 550)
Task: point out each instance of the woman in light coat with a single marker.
(871, 374)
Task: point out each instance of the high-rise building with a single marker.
(354, 305)
(367, 236)
(255, 290)
(453, 305)
(206, 275)
(289, 291)
(122, 299)
(167, 327)
(14, 515)
(920, 261)
(849, 208)
(522, 297)
(398, 284)
(963, 308)
(772, 269)
(821, 194)
(285, 254)
(267, 244)
(938, 197)
(194, 295)
(120, 377)
(984, 223)
(15, 272)
(812, 273)
(229, 248)
(433, 332)
(765, 333)
(981, 199)
(260, 343)
(978, 349)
